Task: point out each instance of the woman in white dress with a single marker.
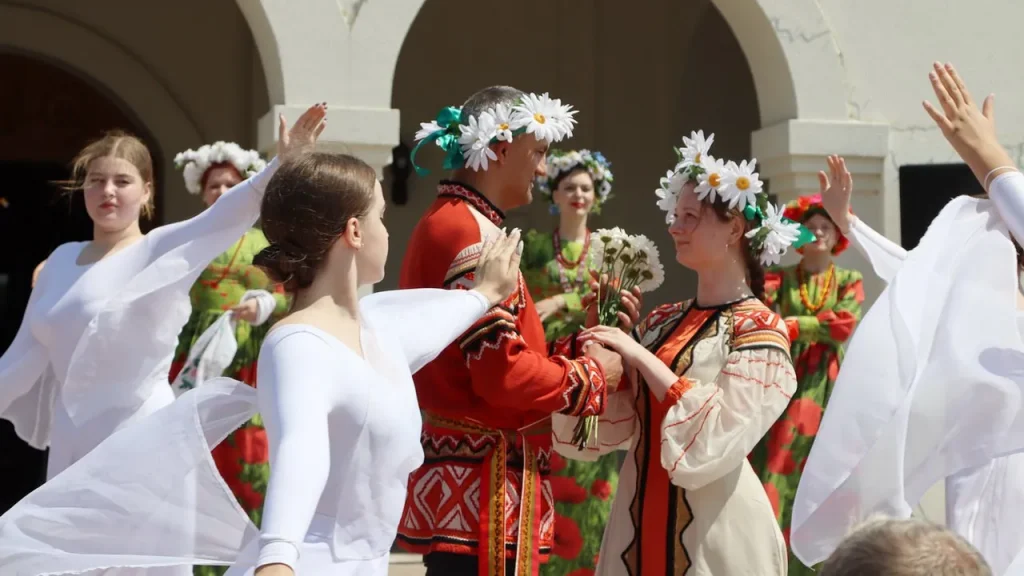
(336, 395)
(95, 344)
(927, 392)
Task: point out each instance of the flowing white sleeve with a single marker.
(1007, 193)
(22, 368)
(296, 397)
(884, 255)
(220, 225)
(425, 320)
(712, 426)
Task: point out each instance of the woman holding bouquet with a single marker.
(710, 377)
(557, 271)
(821, 304)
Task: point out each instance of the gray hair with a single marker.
(904, 547)
(490, 97)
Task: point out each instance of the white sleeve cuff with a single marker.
(276, 551)
(1007, 193)
(265, 302)
(483, 299)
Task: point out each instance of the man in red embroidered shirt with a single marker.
(481, 503)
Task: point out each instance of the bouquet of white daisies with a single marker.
(626, 261)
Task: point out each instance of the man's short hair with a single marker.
(488, 98)
(904, 547)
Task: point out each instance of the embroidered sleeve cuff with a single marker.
(676, 391)
(586, 388)
(276, 551)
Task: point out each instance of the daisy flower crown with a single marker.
(736, 185)
(196, 162)
(466, 139)
(562, 162)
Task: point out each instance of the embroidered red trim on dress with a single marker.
(477, 200)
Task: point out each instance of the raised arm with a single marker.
(431, 319)
(885, 256)
(203, 237)
(1007, 193)
(425, 320)
(711, 426)
(297, 389)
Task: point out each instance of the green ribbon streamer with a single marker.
(806, 236)
(447, 139)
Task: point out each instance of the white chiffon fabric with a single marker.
(932, 382)
(336, 491)
(134, 303)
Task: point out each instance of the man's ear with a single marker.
(502, 150)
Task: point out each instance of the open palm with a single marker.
(836, 188)
(303, 134)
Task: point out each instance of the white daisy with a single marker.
(503, 122)
(695, 148)
(713, 180)
(426, 129)
(476, 141)
(547, 119)
(742, 184)
(781, 235)
(668, 195)
(648, 263)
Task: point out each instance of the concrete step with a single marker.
(406, 565)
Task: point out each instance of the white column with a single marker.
(790, 154)
(367, 134)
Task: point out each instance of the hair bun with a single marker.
(290, 268)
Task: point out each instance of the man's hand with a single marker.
(610, 362)
(631, 302)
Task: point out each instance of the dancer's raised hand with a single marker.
(303, 134)
(497, 270)
(970, 130)
(836, 187)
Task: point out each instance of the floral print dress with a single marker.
(821, 312)
(581, 490)
(242, 458)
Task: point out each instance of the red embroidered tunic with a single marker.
(487, 401)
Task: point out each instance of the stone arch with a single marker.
(352, 46)
(108, 65)
(795, 60)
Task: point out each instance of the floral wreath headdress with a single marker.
(561, 162)
(197, 162)
(804, 207)
(736, 185)
(466, 139)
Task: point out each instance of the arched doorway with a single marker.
(695, 75)
(49, 119)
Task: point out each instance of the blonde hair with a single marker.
(114, 144)
(884, 546)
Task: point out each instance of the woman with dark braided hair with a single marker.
(709, 376)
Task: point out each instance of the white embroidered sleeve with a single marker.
(712, 426)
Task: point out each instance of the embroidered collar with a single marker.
(470, 195)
